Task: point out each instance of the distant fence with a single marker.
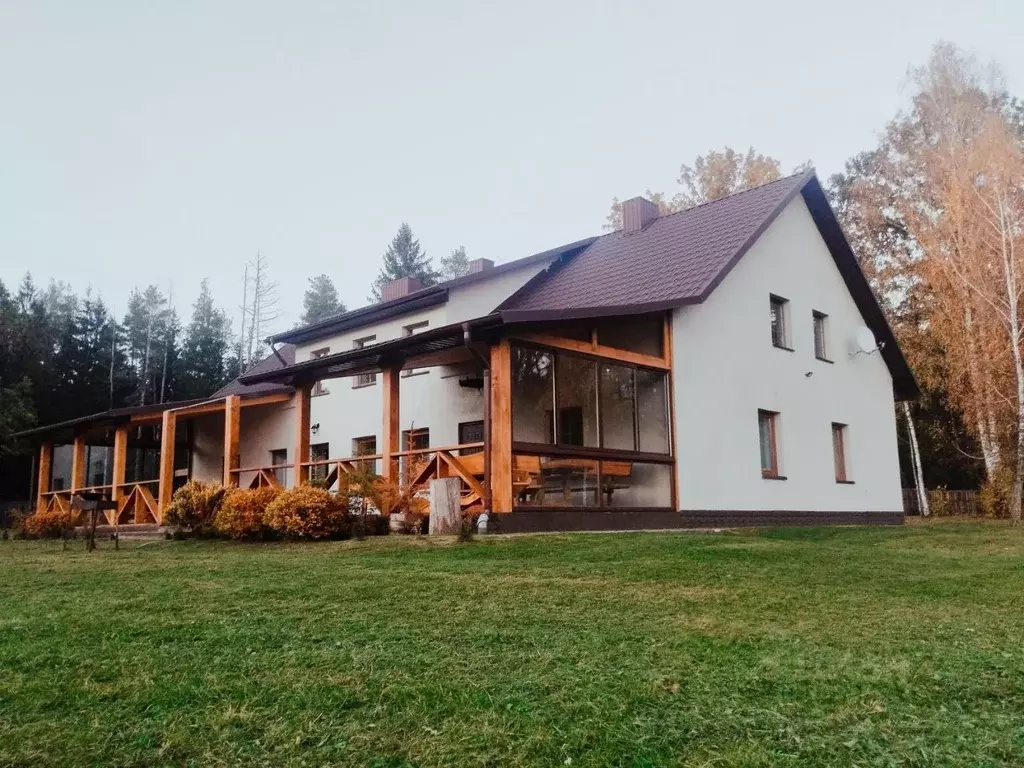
(944, 503)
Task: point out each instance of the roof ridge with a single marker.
(808, 173)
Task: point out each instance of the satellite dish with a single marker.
(865, 342)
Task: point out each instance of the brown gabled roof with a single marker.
(677, 259)
(417, 300)
(285, 357)
(681, 258)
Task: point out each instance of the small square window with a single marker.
(319, 388)
(820, 335)
(839, 441)
(780, 331)
(767, 428)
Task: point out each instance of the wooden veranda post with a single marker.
(390, 428)
(232, 426)
(303, 392)
(78, 463)
(501, 427)
(119, 465)
(166, 491)
(45, 465)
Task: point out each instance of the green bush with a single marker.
(308, 512)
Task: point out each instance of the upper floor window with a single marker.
(412, 330)
(820, 335)
(780, 326)
(364, 379)
(319, 388)
(839, 452)
(768, 435)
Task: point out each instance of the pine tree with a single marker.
(320, 301)
(455, 265)
(403, 258)
(202, 362)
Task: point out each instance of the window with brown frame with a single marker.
(839, 452)
(364, 379)
(365, 446)
(279, 456)
(820, 329)
(319, 452)
(319, 388)
(767, 429)
(412, 330)
(780, 331)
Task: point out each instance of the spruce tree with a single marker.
(202, 368)
(320, 301)
(404, 258)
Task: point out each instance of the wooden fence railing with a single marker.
(944, 503)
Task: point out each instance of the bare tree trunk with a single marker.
(915, 460)
(1013, 302)
(245, 309)
(113, 353)
(985, 420)
(145, 359)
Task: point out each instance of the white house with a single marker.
(723, 365)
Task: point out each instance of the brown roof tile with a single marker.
(675, 260)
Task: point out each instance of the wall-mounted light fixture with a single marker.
(314, 428)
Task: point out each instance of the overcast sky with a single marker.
(149, 142)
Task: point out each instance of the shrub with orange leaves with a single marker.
(54, 524)
(242, 512)
(308, 512)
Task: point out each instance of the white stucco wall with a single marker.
(726, 369)
(263, 428)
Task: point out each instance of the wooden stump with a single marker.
(445, 505)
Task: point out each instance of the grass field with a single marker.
(842, 646)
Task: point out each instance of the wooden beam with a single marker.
(280, 397)
(390, 432)
(78, 462)
(166, 490)
(120, 462)
(45, 468)
(232, 430)
(302, 400)
(501, 427)
(590, 348)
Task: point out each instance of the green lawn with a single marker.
(842, 646)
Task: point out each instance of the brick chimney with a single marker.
(480, 265)
(403, 286)
(637, 214)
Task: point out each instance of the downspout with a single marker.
(467, 339)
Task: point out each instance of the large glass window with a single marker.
(652, 411)
(574, 400)
(576, 384)
(618, 398)
(574, 481)
(533, 395)
(636, 484)
(556, 481)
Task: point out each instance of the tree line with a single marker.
(65, 355)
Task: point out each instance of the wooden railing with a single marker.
(136, 503)
(443, 462)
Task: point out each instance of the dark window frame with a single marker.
(318, 386)
(781, 339)
(840, 454)
(820, 320)
(565, 449)
(770, 472)
(364, 379)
